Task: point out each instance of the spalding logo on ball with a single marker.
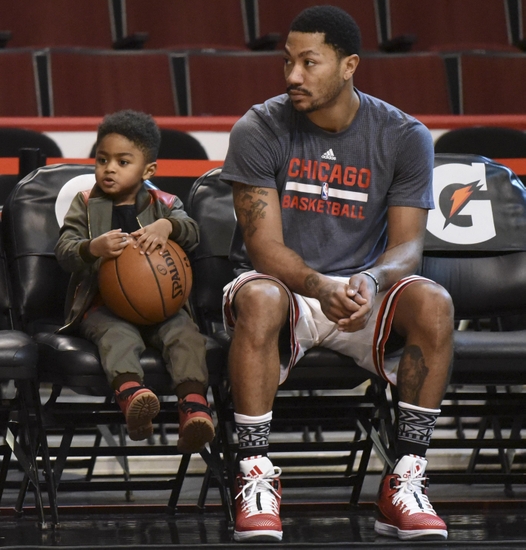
(146, 289)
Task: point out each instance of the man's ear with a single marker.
(351, 63)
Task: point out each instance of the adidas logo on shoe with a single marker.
(329, 155)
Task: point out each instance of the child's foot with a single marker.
(195, 423)
(139, 405)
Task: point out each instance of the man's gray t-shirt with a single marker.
(334, 188)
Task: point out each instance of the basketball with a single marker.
(146, 289)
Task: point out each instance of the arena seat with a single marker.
(179, 24)
(451, 24)
(19, 85)
(252, 78)
(416, 83)
(34, 23)
(504, 93)
(476, 248)
(106, 81)
(275, 16)
(80, 400)
(494, 142)
(325, 392)
(21, 425)
(12, 140)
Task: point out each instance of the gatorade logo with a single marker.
(462, 214)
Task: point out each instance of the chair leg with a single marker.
(360, 474)
(25, 454)
(176, 491)
(225, 437)
(46, 461)
(4, 468)
(203, 493)
(93, 459)
(216, 468)
(126, 464)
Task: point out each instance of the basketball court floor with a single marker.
(478, 516)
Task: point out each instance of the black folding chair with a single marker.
(324, 391)
(20, 412)
(32, 218)
(476, 248)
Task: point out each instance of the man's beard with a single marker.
(327, 100)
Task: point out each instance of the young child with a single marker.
(122, 211)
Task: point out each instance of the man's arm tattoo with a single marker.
(250, 209)
(312, 281)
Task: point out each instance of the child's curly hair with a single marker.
(140, 128)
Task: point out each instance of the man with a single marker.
(331, 190)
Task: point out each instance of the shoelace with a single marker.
(411, 496)
(259, 495)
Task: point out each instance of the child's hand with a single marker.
(153, 236)
(110, 244)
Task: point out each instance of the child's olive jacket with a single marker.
(88, 217)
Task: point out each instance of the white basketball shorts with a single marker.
(309, 327)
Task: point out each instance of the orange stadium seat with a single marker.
(416, 83)
(57, 23)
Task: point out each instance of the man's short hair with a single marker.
(140, 128)
(341, 30)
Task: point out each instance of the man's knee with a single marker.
(262, 301)
(426, 305)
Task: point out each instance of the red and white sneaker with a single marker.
(139, 405)
(258, 501)
(404, 509)
(195, 423)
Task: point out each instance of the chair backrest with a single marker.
(175, 145)
(494, 142)
(210, 204)
(31, 220)
(14, 139)
(180, 145)
(451, 24)
(5, 290)
(183, 24)
(19, 89)
(252, 78)
(507, 93)
(415, 83)
(107, 81)
(275, 16)
(85, 23)
(476, 236)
